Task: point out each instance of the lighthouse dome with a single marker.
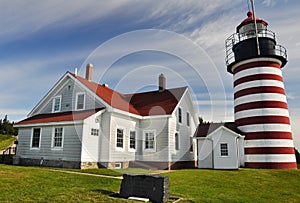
(248, 24)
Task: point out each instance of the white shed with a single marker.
(220, 146)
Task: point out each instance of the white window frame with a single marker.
(53, 139)
(53, 104)
(129, 148)
(76, 103)
(116, 139)
(178, 140)
(221, 150)
(144, 141)
(35, 148)
(179, 115)
(188, 119)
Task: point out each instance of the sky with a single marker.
(130, 42)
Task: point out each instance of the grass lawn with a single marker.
(19, 184)
(6, 141)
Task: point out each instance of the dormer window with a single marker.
(80, 100)
(56, 106)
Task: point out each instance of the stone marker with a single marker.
(154, 187)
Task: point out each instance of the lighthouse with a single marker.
(260, 106)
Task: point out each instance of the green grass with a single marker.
(6, 141)
(34, 184)
(244, 185)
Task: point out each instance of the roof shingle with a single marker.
(205, 129)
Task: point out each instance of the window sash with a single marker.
(58, 137)
(94, 132)
(36, 136)
(57, 104)
(120, 138)
(224, 149)
(132, 140)
(149, 140)
(80, 102)
(179, 115)
(187, 118)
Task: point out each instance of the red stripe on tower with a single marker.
(260, 104)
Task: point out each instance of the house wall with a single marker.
(210, 153)
(90, 143)
(185, 132)
(232, 160)
(160, 127)
(126, 123)
(68, 156)
(104, 138)
(68, 92)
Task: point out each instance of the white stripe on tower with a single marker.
(261, 113)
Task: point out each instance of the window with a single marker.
(80, 101)
(36, 138)
(132, 140)
(177, 141)
(56, 104)
(179, 115)
(94, 132)
(120, 138)
(187, 118)
(58, 138)
(224, 149)
(150, 141)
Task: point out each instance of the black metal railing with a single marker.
(239, 37)
(8, 154)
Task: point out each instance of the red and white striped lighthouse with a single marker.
(260, 105)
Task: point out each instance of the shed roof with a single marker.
(205, 129)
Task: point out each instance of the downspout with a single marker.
(237, 151)
(99, 120)
(169, 150)
(212, 153)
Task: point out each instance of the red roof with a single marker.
(250, 19)
(205, 129)
(143, 104)
(58, 117)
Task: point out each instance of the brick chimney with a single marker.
(161, 83)
(89, 71)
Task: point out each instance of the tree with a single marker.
(201, 120)
(6, 127)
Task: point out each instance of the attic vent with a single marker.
(105, 85)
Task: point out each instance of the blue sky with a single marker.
(130, 43)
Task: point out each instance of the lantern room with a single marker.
(248, 25)
(253, 40)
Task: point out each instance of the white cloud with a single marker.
(269, 3)
(20, 18)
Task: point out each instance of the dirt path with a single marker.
(88, 174)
